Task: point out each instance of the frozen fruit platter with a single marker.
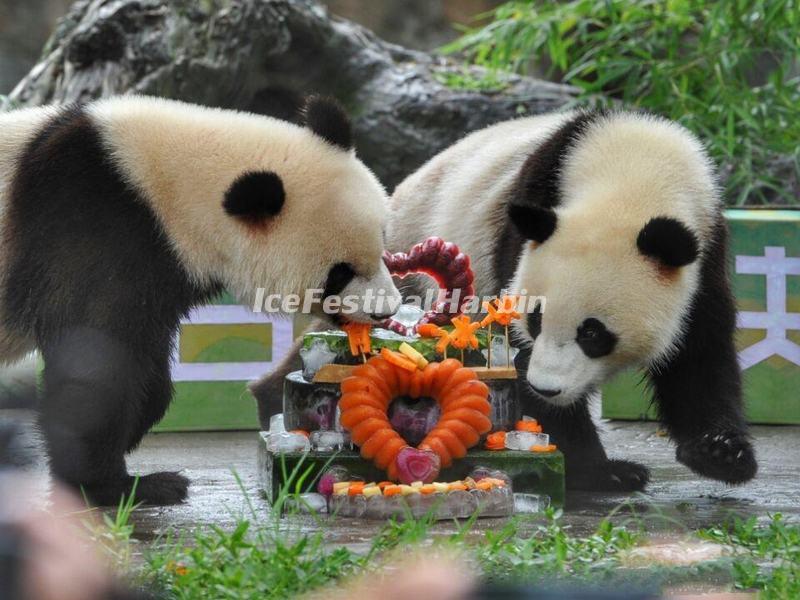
(418, 416)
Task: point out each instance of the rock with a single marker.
(264, 56)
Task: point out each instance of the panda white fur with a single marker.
(121, 215)
(616, 220)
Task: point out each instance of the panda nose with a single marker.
(546, 393)
(381, 317)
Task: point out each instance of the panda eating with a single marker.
(121, 215)
(616, 220)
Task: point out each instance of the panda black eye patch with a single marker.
(594, 339)
(338, 277)
(535, 322)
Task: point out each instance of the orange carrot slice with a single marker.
(362, 432)
(355, 488)
(391, 490)
(496, 441)
(353, 416)
(398, 360)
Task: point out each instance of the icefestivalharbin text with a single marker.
(379, 302)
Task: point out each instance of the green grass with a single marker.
(767, 557)
(268, 556)
(729, 70)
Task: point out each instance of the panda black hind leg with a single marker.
(93, 279)
(98, 402)
(571, 428)
(698, 391)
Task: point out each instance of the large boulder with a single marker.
(263, 56)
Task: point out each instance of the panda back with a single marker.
(461, 193)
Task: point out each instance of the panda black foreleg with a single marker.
(571, 428)
(699, 401)
(96, 406)
(698, 391)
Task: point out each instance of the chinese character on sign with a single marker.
(776, 321)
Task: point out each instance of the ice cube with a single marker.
(347, 506)
(283, 442)
(530, 503)
(460, 504)
(306, 503)
(337, 423)
(315, 356)
(377, 507)
(328, 441)
(421, 504)
(501, 356)
(523, 440)
(276, 423)
(499, 503)
(482, 472)
(408, 314)
(333, 475)
(481, 499)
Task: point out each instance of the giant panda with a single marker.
(120, 215)
(616, 220)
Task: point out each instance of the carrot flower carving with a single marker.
(433, 331)
(506, 310)
(464, 333)
(501, 311)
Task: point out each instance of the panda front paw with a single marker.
(725, 455)
(608, 476)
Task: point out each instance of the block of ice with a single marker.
(530, 503)
(460, 504)
(408, 314)
(315, 356)
(481, 498)
(328, 441)
(523, 440)
(498, 503)
(337, 422)
(306, 503)
(334, 474)
(423, 504)
(276, 423)
(501, 356)
(482, 472)
(282, 442)
(347, 506)
(378, 507)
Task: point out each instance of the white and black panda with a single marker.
(120, 215)
(614, 218)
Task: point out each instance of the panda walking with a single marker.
(616, 220)
(118, 217)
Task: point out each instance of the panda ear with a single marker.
(327, 118)
(668, 241)
(255, 196)
(533, 222)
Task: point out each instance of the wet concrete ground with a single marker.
(676, 500)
